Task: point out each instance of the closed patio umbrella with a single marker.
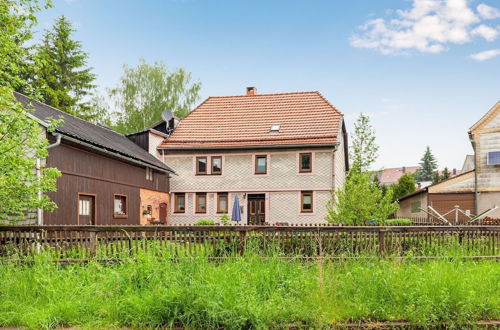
(236, 215)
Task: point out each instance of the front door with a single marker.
(256, 209)
(86, 209)
(163, 213)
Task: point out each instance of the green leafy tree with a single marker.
(436, 178)
(62, 74)
(22, 140)
(359, 201)
(364, 150)
(147, 90)
(428, 165)
(16, 21)
(406, 185)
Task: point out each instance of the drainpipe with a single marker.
(473, 142)
(38, 163)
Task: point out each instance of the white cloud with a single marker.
(486, 55)
(488, 33)
(488, 12)
(428, 27)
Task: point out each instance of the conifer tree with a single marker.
(63, 76)
(428, 165)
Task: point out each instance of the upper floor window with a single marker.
(120, 206)
(305, 162)
(149, 174)
(306, 201)
(261, 164)
(222, 203)
(179, 203)
(201, 203)
(201, 165)
(216, 165)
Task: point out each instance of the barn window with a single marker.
(149, 174)
(120, 206)
(415, 206)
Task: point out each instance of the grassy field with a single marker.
(246, 292)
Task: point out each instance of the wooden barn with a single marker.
(107, 179)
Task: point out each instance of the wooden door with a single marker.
(163, 212)
(256, 209)
(86, 209)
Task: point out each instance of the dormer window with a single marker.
(275, 128)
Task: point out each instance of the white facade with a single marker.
(281, 185)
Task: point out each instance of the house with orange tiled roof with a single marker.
(281, 154)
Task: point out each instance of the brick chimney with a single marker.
(251, 91)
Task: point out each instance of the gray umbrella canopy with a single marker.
(236, 215)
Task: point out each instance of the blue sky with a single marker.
(407, 64)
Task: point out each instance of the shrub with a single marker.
(224, 219)
(204, 222)
(395, 222)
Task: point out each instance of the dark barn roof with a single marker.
(87, 132)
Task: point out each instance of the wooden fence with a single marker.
(83, 242)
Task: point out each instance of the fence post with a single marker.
(242, 242)
(381, 243)
(93, 243)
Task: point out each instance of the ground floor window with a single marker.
(306, 201)
(120, 206)
(415, 207)
(222, 203)
(201, 203)
(179, 203)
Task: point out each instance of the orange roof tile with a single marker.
(233, 121)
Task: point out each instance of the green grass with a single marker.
(248, 292)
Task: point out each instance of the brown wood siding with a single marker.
(445, 202)
(88, 172)
(142, 140)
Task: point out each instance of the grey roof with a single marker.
(96, 135)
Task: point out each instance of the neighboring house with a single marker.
(106, 178)
(477, 189)
(443, 197)
(390, 176)
(281, 154)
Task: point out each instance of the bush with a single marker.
(398, 222)
(204, 222)
(224, 219)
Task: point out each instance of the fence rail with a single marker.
(81, 242)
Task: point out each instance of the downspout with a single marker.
(473, 142)
(38, 164)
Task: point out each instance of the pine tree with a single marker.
(436, 178)
(63, 75)
(428, 165)
(446, 174)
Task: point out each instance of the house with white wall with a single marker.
(281, 154)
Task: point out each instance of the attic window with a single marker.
(275, 128)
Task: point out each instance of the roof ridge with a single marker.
(267, 94)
